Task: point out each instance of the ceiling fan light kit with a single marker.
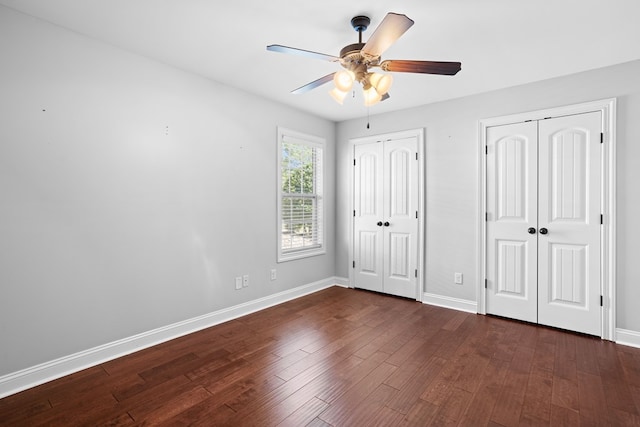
(358, 58)
(371, 96)
(344, 80)
(338, 95)
(382, 82)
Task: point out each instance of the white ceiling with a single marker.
(500, 43)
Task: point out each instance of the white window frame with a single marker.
(291, 136)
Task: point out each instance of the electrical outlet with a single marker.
(238, 282)
(273, 274)
(457, 278)
(245, 281)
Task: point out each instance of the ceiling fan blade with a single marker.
(385, 97)
(314, 84)
(425, 67)
(390, 29)
(302, 52)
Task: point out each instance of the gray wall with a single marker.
(111, 227)
(452, 175)
(108, 226)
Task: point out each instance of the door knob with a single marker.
(386, 224)
(531, 230)
(379, 223)
(543, 231)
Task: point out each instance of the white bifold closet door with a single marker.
(385, 216)
(544, 221)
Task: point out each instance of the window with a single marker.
(300, 204)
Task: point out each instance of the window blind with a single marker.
(300, 193)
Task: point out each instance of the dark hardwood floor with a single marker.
(343, 357)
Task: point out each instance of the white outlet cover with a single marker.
(238, 282)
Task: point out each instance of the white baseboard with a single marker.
(341, 281)
(623, 336)
(627, 337)
(449, 302)
(30, 377)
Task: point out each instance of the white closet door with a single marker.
(511, 214)
(543, 221)
(569, 210)
(385, 239)
(368, 206)
(400, 217)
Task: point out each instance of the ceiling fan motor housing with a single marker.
(351, 56)
(360, 23)
(352, 59)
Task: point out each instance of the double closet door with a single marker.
(543, 224)
(385, 217)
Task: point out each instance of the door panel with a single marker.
(569, 255)
(368, 249)
(399, 263)
(568, 273)
(511, 211)
(512, 269)
(399, 191)
(368, 246)
(400, 208)
(511, 169)
(568, 175)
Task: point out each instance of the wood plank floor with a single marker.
(342, 357)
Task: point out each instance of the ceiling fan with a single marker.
(358, 58)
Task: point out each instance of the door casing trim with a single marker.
(608, 201)
(419, 135)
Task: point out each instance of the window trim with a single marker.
(288, 135)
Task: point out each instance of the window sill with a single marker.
(291, 256)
